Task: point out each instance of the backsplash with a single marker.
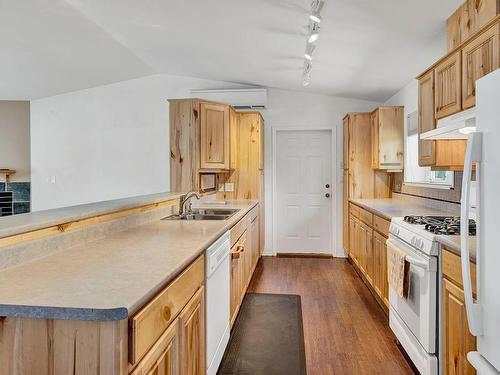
(449, 195)
(21, 197)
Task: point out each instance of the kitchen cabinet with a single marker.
(245, 253)
(457, 340)
(470, 17)
(192, 336)
(479, 57)
(360, 180)
(426, 119)
(368, 234)
(214, 136)
(448, 86)
(387, 131)
(163, 358)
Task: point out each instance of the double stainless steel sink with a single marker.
(205, 214)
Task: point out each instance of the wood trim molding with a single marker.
(78, 224)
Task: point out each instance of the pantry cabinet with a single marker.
(387, 131)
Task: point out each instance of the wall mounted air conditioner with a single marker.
(251, 99)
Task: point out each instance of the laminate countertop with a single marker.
(17, 224)
(110, 278)
(389, 208)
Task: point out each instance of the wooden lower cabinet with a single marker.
(192, 336)
(368, 251)
(457, 341)
(163, 358)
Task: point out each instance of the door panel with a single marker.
(303, 169)
(448, 90)
(214, 134)
(426, 119)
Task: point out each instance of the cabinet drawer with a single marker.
(381, 225)
(253, 213)
(238, 229)
(366, 217)
(452, 269)
(148, 324)
(354, 210)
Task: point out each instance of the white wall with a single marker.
(15, 139)
(106, 142)
(300, 109)
(112, 141)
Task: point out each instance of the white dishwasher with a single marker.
(218, 299)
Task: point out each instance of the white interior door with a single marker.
(304, 191)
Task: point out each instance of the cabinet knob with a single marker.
(167, 313)
(327, 186)
(327, 195)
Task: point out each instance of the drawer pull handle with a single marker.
(241, 248)
(166, 312)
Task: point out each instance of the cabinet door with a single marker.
(369, 255)
(346, 219)
(426, 119)
(234, 135)
(390, 136)
(362, 237)
(479, 58)
(346, 143)
(246, 260)
(162, 359)
(377, 263)
(214, 136)
(352, 238)
(192, 336)
(236, 281)
(383, 272)
(255, 242)
(374, 123)
(448, 90)
(457, 341)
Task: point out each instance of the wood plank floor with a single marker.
(345, 330)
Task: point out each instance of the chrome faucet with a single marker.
(186, 198)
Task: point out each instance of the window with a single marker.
(413, 173)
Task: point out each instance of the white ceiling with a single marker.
(368, 49)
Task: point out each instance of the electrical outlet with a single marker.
(229, 186)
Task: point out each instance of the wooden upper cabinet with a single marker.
(346, 142)
(470, 17)
(214, 136)
(387, 138)
(426, 119)
(234, 135)
(448, 86)
(457, 340)
(192, 336)
(479, 57)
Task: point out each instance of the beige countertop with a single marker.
(389, 207)
(16, 224)
(110, 278)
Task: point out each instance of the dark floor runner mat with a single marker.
(267, 338)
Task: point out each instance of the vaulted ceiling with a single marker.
(367, 49)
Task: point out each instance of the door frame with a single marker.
(334, 184)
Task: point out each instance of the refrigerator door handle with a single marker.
(472, 155)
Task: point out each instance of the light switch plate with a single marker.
(221, 187)
(229, 186)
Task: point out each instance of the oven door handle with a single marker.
(417, 263)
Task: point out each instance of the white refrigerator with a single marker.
(483, 150)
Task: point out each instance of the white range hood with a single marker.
(456, 126)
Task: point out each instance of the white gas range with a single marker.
(415, 320)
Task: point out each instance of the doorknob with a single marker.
(327, 195)
(327, 186)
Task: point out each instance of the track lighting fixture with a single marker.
(312, 37)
